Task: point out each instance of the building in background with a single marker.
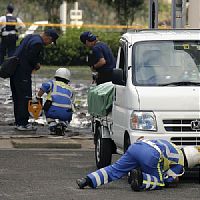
(194, 14)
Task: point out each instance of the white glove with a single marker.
(35, 99)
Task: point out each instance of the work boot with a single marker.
(83, 182)
(59, 130)
(129, 178)
(52, 127)
(136, 179)
(52, 130)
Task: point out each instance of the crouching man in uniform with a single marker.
(59, 104)
(152, 164)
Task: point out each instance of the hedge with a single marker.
(70, 51)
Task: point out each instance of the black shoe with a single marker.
(52, 130)
(82, 182)
(136, 179)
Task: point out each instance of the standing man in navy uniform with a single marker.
(101, 60)
(28, 53)
(9, 34)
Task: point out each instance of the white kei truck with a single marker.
(154, 93)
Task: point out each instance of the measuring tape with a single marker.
(35, 108)
(35, 105)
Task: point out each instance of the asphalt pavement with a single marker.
(50, 174)
(38, 166)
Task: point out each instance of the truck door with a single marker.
(119, 104)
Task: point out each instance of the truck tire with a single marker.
(127, 142)
(103, 150)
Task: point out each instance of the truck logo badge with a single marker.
(195, 125)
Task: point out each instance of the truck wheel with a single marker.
(103, 150)
(127, 142)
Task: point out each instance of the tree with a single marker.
(125, 9)
(52, 8)
(25, 9)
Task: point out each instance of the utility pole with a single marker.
(63, 14)
(178, 13)
(153, 14)
(184, 13)
(178, 19)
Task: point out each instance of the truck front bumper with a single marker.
(192, 139)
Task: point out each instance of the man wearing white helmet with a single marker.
(59, 103)
(192, 156)
(153, 164)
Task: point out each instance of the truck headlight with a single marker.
(145, 121)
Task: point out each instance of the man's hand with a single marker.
(92, 68)
(35, 99)
(176, 180)
(172, 184)
(37, 67)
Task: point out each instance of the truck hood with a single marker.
(169, 98)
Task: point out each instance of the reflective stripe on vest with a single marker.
(153, 145)
(54, 92)
(177, 156)
(9, 29)
(172, 158)
(173, 174)
(168, 153)
(61, 105)
(6, 33)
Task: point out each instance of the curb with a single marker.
(45, 143)
(11, 139)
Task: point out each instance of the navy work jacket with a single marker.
(29, 54)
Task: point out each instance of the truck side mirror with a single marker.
(117, 77)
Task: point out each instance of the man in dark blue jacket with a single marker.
(9, 33)
(21, 85)
(102, 60)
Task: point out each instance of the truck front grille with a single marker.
(180, 125)
(181, 141)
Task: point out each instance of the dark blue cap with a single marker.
(10, 8)
(53, 34)
(87, 36)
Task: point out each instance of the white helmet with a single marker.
(192, 155)
(63, 73)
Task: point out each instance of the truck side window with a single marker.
(122, 64)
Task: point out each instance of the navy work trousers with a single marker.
(138, 155)
(21, 93)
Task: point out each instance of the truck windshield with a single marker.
(160, 63)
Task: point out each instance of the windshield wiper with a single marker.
(180, 83)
